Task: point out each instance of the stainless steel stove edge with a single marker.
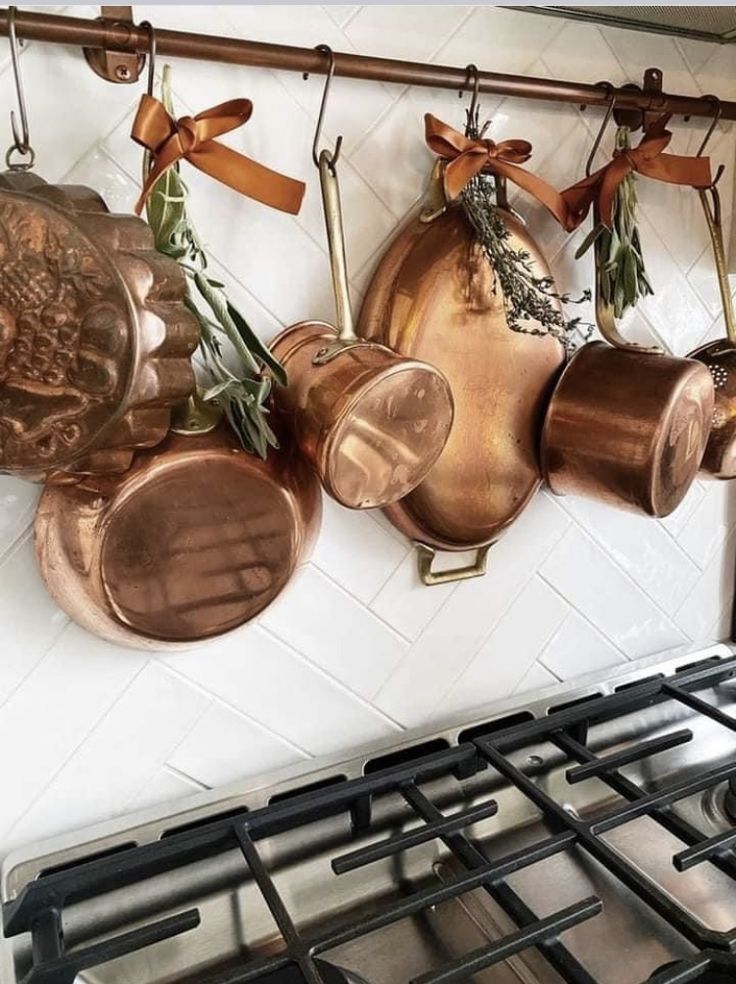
(146, 826)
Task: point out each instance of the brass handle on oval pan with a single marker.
(425, 558)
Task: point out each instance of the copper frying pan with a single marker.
(719, 460)
(195, 539)
(627, 425)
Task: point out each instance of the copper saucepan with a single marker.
(719, 460)
(371, 422)
(626, 424)
(195, 539)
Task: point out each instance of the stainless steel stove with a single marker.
(584, 835)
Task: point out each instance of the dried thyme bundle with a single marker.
(243, 395)
(622, 274)
(528, 299)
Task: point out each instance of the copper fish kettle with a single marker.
(434, 297)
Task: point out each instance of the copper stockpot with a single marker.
(195, 539)
(434, 296)
(371, 421)
(719, 460)
(94, 336)
(626, 424)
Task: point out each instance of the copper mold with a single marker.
(94, 337)
(433, 297)
(195, 539)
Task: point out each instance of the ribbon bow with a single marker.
(467, 157)
(647, 159)
(193, 138)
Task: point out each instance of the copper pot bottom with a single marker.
(627, 428)
(719, 357)
(372, 423)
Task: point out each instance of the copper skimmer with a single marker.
(719, 460)
(371, 422)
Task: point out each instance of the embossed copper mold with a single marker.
(94, 338)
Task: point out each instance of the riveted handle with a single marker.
(425, 558)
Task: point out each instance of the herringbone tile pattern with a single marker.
(356, 649)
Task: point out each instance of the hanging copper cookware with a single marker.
(627, 425)
(719, 357)
(94, 336)
(434, 297)
(195, 539)
(371, 421)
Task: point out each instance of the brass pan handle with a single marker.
(604, 312)
(426, 555)
(330, 187)
(713, 216)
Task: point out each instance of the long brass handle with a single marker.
(715, 228)
(604, 312)
(425, 558)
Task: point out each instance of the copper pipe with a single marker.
(56, 29)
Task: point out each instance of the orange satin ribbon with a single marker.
(467, 157)
(647, 159)
(193, 138)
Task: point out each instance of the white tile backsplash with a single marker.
(357, 648)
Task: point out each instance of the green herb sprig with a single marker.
(243, 395)
(529, 300)
(623, 278)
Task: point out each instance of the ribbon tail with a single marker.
(249, 177)
(160, 165)
(538, 188)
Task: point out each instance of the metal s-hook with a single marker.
(713, 123)
(334, 156)
(21, 140)
(471, 71)
(151, 54)
(602, 130)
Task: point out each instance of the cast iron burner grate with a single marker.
(39, 907)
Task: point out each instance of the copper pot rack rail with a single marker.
(123, 37)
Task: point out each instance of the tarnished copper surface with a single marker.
(94, 337)
(371, 422)
(433, 297)
(627, 428)
(195, 539)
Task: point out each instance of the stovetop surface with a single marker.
(584, 837)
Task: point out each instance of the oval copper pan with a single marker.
(195, 539)
(433, 297)
(94, 337)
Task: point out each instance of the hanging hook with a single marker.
(718, 110)
(604, 124)
(334, 156)
(471, 71)
(151, 54)
(21, 139)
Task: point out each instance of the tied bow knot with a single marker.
(648, 158)
(467, 157)
(192, 138)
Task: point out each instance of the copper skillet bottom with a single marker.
(196, 539)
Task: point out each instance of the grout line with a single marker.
(89, 734)
(320, 671)
(216, 698)
(185, 777)
(366, 605)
